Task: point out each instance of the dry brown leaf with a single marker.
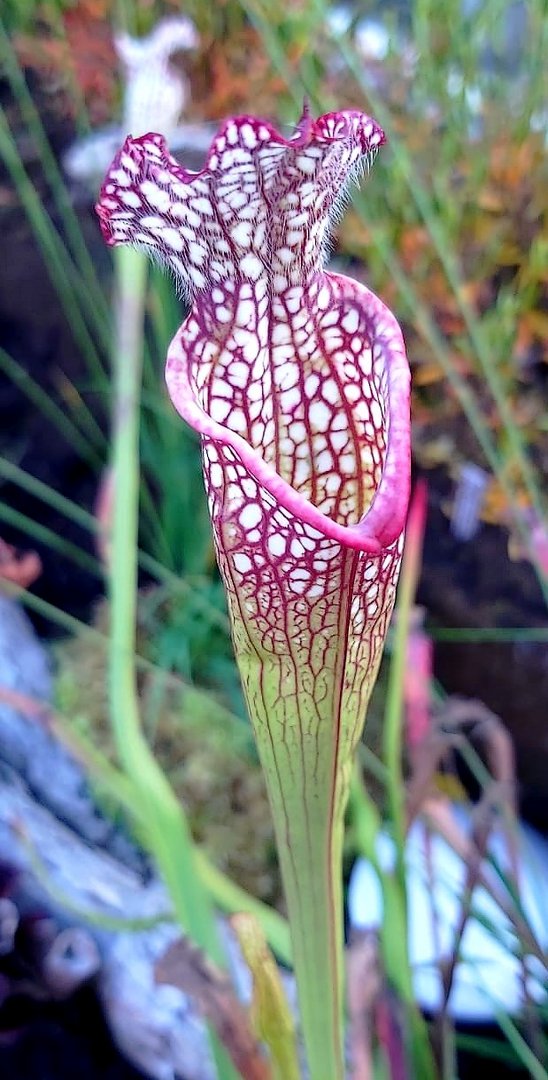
(185, 966)
(19, 569)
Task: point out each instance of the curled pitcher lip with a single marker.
(383, 519)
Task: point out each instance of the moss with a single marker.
(207, 753)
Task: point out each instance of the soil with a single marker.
(46, 1040)
(474, 584)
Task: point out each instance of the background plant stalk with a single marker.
(167, 836)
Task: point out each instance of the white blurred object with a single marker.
(489, 974)
(373, 42)
(88, 159)
(469, 496)
(372, 39)
(339, 19)
(156, 94)
(72, 959)
(456, 85)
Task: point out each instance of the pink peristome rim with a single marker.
(384, 521)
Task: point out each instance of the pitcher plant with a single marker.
(297, 381)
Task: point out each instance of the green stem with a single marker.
(395, 886)
(394, 930)
(393, 717)
(392, 731)
(167, 833)
(309, 837)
